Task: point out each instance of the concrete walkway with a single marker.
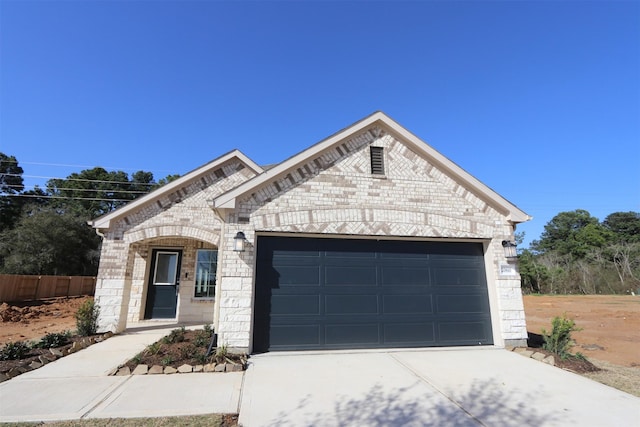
(462, 387)
(77, 386)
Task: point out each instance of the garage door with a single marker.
(334, 294)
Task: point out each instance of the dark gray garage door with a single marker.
(332, 294)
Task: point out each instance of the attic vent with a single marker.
(377, 160)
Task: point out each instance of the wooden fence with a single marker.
(15, 288)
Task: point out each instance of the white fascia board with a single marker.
(104, 222)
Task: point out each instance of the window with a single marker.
(377, 160)
(206, 265)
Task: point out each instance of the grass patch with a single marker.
(213, 420)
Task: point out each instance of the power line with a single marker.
(81, 166)
(106, 190)
(35, 196)
(75, 179)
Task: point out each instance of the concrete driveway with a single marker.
(456, 387)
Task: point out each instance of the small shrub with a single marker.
(175, 336)
(154, 348)
(167, 361)
(137, 358)
(221, 354)
(202, 358)
(559, 340)
(14, 351)
(203, 337)
(54, 339)
(87, 318)
(188, 351)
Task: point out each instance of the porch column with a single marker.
(111, 286)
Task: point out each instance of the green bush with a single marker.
(175, 336)
(87, 318)
(54, 339)
(559, 340)
(14, 351)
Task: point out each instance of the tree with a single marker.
(167, 179)
(49, 241)
(11, 184)
(97, 191)
(624, 225)
(573, 233)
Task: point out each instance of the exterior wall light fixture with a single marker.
(239, 241)
(510, 250)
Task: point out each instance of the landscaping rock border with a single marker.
(183, 369)
(536, 355)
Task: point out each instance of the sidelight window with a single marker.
(206, 266)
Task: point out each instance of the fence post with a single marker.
(35, 295)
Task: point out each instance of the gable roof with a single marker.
(105, 220)
(228, 200)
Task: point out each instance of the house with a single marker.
(369, 238)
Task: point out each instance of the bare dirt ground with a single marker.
(32, 320)
(610, 323)
(610, 335)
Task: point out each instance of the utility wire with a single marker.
(35, 196)
(33, 187)
(71, 179)
(79, 166)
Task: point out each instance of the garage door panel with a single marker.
(368, 293)
(350, 275)
(336, 256)
(459, 276)
(407, 304)
(294, 305)
(294, 275)
(460, 333)
(460, 304)
(409, 333)
(285, 336)
(352, 334)
(405, 276)
(351, 304)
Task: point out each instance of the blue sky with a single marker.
(539, 100)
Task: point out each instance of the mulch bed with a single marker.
(182, 347)
(572, 363)
(36, 354)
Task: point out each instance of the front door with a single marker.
(164, 283)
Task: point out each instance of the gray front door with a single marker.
(164, 282)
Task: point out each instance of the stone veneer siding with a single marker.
(335, 194)
(182, 220)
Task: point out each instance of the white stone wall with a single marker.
(336, 194)
(181, 220)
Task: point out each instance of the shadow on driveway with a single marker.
(483, 404)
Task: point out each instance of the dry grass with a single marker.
(213, 420)
(616, 376)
